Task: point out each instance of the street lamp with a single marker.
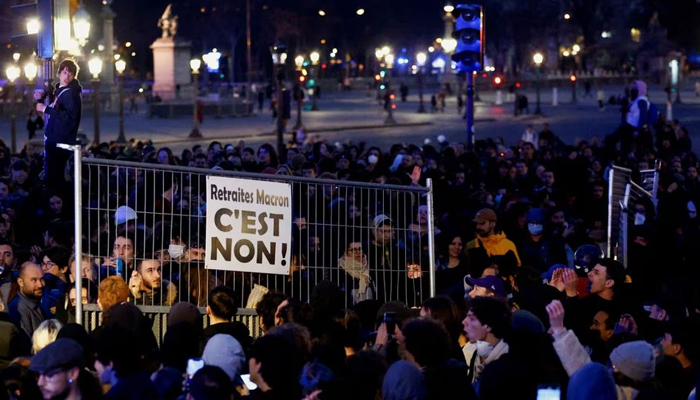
(12, 73)
(211, 60)
(314, 57)
(120, 65)
(195, 63)
(81, 25)
(420, 60)
(538, 58)
(298, 63)
(95, 67)
(279, 58)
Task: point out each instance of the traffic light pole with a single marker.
(470, 110)
(281, 153)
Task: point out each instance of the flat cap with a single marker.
(61, 354)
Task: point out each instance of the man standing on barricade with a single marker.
(62, 115)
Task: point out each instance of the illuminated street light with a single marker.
(16, 56)
(195, 64)
(360, 11)
(279, 57)
(389, 58)
(567, 16)
(81, 25)
(299, 62)
(12, 72)
(386, 50)
(30, 71)
(321, 13)
(120, 65)
(576, 48)
(95, 67)
(211, 59)
(378, 53)
(314, 57)
(313, 92)
(449, 45)
(32, 26)
(448, 8)
(421, 58)
(538, 58)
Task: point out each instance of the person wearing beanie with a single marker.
(225, 352)
(403, 381)
(635, 360)
(592, 382)
(633, 363)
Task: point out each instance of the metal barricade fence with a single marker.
(373, 241)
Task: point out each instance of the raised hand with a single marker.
(555, 310)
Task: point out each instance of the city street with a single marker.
(352, 116)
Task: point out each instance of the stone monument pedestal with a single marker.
(171, 67)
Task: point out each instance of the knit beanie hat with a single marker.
(592, 382)
(225, 352)
(403, 381)
(636, 360)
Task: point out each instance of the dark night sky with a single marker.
(399, 23)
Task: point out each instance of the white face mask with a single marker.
(535, 229)
(483, 349)
(372, 159)
(639, 219)
(176, 250)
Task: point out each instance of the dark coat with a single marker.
(64, 117)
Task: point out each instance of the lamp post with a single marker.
(211, 60)
(12, 73)
(279, 58)
(95, 67)
(195, 63)
(314, 57)
(81, 25)
(30, 72)
(538, 58)
(120, 65)
(420, 60)
(298, 63)
(389, 61)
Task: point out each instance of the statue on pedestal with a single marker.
(168, 23)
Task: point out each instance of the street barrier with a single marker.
(151, 224)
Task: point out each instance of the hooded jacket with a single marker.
(63, 114)
(499, 250)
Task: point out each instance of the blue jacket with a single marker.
(63, 115)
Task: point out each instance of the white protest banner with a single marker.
(249, 225)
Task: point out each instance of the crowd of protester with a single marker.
(527, 301)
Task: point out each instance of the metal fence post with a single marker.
(431, 237)
(77, 190)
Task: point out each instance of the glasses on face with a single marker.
(47, 265)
